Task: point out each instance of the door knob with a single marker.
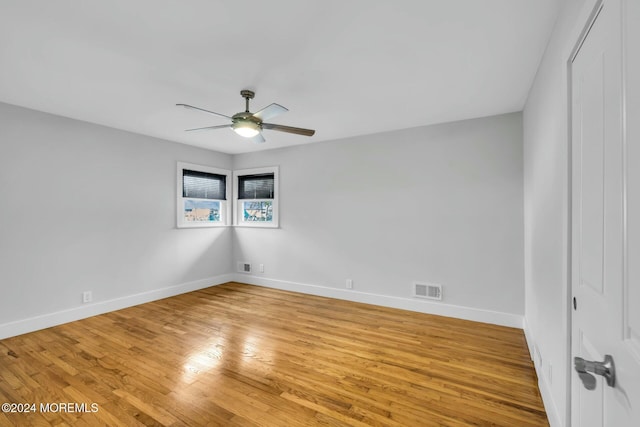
(606, 369)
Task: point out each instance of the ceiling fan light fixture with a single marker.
(246, 128)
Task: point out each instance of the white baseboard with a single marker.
(48, 320)
(550, 407)
(421, 306)
(547, 399)
(528, 338)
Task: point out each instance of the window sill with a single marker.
(180, 227)
(272, 226)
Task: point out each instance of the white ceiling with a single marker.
(342, 67)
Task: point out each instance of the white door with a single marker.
(605, 249)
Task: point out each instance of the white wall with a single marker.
(85, 207)
(89, 208)
(439, 204)
(546, 216)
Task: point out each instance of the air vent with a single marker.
(244, 267)
(427, 290)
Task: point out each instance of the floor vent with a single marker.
(427, 290)
(244, 267)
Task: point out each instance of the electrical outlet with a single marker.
(87, 297)
(261, 268)
(349, 284)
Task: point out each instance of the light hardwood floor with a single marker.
(241, 355)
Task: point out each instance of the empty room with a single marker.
(306, 213)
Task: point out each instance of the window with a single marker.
(202, 196)
(256, 197)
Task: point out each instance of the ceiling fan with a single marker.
(250, 125)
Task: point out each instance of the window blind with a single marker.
(203, 185)
(256, 186)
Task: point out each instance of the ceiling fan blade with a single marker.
(270, 111)
(209, 128)
(258, 139)
(202, 109)
(289, 129)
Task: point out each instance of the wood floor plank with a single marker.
(241, 355)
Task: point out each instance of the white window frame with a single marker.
(238, 217)
(225, 205)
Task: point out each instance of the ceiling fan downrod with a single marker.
(247, 95)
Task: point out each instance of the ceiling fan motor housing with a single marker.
(245, 117)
